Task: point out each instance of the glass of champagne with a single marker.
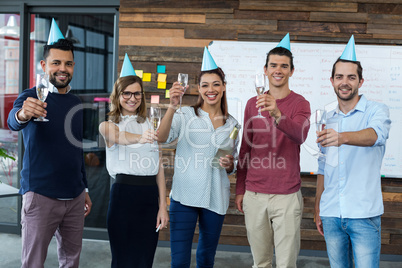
(42, 90)
(155, 118)
(183, 80)
(260, 84)
(320, 124)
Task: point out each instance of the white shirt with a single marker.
(134, 159)
(195, 182)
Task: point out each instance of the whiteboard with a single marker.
(382, 67)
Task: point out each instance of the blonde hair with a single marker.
(115, 108)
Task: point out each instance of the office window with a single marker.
(9, 82)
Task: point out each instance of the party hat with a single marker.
(54, 34)
(349, 53)
(127, 69)
(208, 62)
(285, 42)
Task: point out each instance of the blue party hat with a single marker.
(285, 42)
(208, 62)
(54, 34)
(127, 69)
(349, 53)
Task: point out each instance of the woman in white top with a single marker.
(137, 204)
(200, 190)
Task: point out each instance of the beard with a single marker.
(351, 96)
(59, 84)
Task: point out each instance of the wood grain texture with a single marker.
(303, 26)
(391, 9)
(158, 37)
(385, 19)
(168, 9)
(271, 15)
(178, 5)
(339, 17)
(384, 29)
(299, 6)
(163, 17)
(212, 33)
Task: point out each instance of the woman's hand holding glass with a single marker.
(175, 94)
(155, 119)
(149, 136)
(183, 81)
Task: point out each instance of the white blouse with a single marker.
(134, 159)
(195, 181)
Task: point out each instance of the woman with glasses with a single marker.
(137, 206)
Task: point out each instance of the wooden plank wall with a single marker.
(174, 32)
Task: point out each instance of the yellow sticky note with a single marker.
(162, 85)
(167, 94)
(162, 77)
(139, 73)
(146, 77)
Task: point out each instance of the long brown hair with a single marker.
(115, 108)
(224, 102)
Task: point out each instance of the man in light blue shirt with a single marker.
(349, 203)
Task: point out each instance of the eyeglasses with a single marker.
(127, 94)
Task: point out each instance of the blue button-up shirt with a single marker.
(352, 179)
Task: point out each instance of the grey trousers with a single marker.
(41, 218)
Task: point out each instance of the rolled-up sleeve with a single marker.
(175, 127)
(381, 123)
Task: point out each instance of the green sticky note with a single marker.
(167, 94)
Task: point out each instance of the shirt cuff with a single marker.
(19, 121)
(86, 190)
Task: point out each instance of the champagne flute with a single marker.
(42, 90)
(155, 118)
(183, 80)
(260, 84)
(320, 125)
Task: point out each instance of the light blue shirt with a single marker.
(196, 182)
(352, 179)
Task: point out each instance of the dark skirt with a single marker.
(131, 221)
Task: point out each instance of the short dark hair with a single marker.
(359, 67)
(62, 44)
(280, 51)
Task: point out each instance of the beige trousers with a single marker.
(273, 221)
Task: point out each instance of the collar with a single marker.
(53, 89)
(129, 116)
(360, 106)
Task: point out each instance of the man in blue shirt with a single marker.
(53, 178)
(349, 204)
